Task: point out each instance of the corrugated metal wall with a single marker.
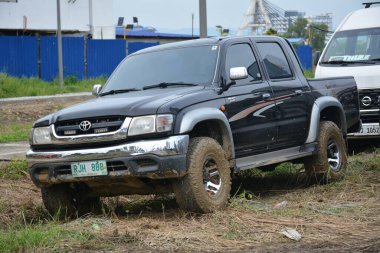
(73, 57)
(103, 56)
(136, 46)
(19, 56)
(304, 53)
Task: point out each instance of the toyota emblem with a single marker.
(366, 101)
(85, 125)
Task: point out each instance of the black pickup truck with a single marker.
(183, 117)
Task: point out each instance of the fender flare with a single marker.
(193, 117)
(319, 105)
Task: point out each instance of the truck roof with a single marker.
(198, 42)
(360, 19)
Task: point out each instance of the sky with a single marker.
(175, 15)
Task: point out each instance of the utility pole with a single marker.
(202, 19)
(192, 25)
(59, 44)
(90, 17)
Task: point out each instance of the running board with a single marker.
(274, 157)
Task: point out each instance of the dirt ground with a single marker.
(338, 217)
(29, 111)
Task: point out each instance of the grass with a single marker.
(340, 216)
(309, 73)
(14, 170)
(43, 236)
(14, 132)
(20, 87)
(360, 181)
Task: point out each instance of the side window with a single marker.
(241, 55)
(274, 60)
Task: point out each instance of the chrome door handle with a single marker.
(266, 95)
(298, 92)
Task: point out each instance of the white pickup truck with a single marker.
(354, 50)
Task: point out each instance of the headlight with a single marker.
(41, 135)
(142, 125)
(150, 124)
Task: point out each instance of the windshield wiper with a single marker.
(166, 84)
(117, 91)
(348, 62)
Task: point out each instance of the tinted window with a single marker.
(274, 60)
(188, 65)
(241, 55)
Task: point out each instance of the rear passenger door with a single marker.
(248, 106)
(290, 93)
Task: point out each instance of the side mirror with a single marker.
(316, 57)
(238, 73)
(96, 89)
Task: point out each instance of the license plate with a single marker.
(89, 169)
(373, 129)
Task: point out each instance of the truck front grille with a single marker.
(89, 126)
(369, 99)
(370, 117)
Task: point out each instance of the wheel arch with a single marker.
(209, 122)
(326, 108)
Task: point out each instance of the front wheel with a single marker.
(207, 185)
(63, 202)
(58, 201)
(330, 161)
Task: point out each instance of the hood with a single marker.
(134, 103)
(366, 77)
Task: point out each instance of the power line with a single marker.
(320, 29)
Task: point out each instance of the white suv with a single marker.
(354, 50)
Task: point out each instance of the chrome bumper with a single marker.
(175, 145)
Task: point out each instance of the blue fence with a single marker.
(103, 56)
(136, 46)
(19, 56)
(73, 57)
(304, 53)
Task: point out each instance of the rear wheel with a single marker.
(330, 162)
(207, 185)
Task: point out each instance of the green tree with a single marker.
(298, 29)
(318, 36)
(271, 31)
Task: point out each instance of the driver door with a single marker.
(249, 106)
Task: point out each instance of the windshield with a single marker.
(188, 65)
(362, 45)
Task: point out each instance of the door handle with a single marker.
(298, 92)
(266, 96)
(257, 94)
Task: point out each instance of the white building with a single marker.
(93, 17)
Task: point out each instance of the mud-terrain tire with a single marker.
(89, 205)
(58, 201)
(61, 202)
(206, 186)
(330, 161)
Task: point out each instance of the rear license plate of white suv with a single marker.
(89, 169)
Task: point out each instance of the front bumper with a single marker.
(370, 125)
(155, 159)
